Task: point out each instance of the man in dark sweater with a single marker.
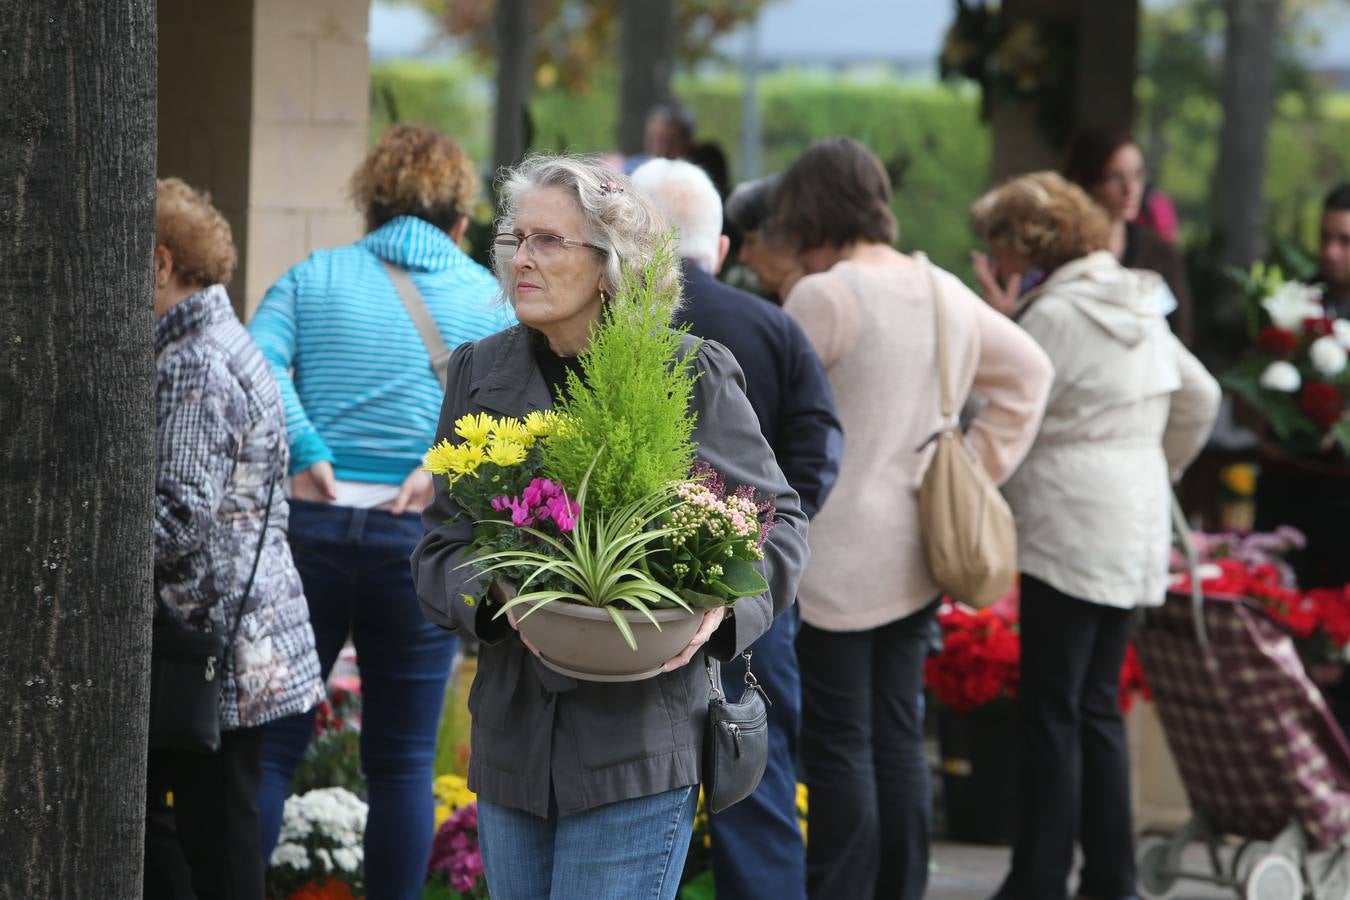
(757, 847)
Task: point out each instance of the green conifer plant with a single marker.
(632, 408)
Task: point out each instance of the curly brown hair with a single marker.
(414, 170)
(195, 233)
(1042, 218)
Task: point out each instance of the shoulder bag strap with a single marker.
(940, 335)
(257, 557)
(421, 316)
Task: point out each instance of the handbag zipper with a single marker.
(210, 668)
(735, 735)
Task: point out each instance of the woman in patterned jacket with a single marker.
(220, 440)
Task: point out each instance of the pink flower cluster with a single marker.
(455, 852)
(541, 501)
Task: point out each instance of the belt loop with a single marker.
(358, 525)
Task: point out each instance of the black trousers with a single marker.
(208, 845)
(870, 801)
(1074, 764)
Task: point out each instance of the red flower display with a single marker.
(1322, 403)
(1306, 614)
(981, 658)
(1278, 342)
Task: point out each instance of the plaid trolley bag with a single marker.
(1260, 755)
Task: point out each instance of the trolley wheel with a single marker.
(1247, 856)
(1155, 882)
(1274, 877)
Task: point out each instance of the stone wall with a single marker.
(265, 103)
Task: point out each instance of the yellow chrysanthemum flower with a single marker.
(437, 459)
(539, 424)
(1240, 478)
(454, 460)
(475, 429)
(505, 453)
(508, 429)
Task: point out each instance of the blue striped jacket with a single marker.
(354, 374)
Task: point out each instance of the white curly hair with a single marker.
(620, 219)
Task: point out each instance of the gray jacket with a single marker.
(538, 735)
(219, 440)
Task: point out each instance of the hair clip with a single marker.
(611, 187)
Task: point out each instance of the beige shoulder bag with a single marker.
(967, 528)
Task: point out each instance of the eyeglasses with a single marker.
(541, 244)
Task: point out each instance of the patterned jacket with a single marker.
(219, 440)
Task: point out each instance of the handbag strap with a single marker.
(253, 572)
(421, 317)
(715, 676)
(940, 332)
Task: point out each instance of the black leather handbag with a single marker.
(186, 665)
(735, 742)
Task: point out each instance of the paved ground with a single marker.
(965, 872)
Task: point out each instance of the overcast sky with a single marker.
(896, 29)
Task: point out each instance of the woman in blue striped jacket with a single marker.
(362, 403)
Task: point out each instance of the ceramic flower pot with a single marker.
(583, 642)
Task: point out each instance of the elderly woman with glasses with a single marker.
(588, 789)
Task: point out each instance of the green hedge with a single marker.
(930, 136)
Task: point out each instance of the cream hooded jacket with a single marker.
(1129, 408)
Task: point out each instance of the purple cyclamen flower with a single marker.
(564, 512)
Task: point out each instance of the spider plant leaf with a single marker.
(624, 628)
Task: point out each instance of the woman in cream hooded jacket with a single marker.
(1129, 407)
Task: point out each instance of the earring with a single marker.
(604, 298)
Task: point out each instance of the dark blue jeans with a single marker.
(757, 848)
(354, 564)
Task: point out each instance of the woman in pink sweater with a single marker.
(867, 597)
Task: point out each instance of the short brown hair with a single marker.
(836, 193)
(414, 170)
(195, 233)
(1043, 218)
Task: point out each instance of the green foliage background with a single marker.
(929, 135)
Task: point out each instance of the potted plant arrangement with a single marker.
(600, 531)
(319, 853)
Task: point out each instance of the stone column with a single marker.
(311, 105)
(266, 104)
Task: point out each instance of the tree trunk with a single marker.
(77, 166)
(514, 51)
(647, 64)
(1247, 94)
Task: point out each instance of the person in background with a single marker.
(769, 256)
(1109, 165)
(668, 133)
(757, 846)
(1129, 408)
(588, 789)
(220, 443)
(868, 596)
(362, 403)
(709, 157)
(1333, 252)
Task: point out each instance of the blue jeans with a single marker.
(630, 850)
(757, 848)
(354, 564)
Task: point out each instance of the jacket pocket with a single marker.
(628, 721)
